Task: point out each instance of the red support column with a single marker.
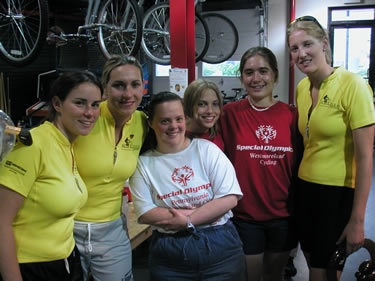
(182, 32)
(292, 17)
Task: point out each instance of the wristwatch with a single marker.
(189, 226)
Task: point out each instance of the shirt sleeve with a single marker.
(220, 171)
(20, 168)
(140, 189)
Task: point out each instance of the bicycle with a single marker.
(114, 24)
(238, 95)
(117, 27)
(156, 37)
(216, 36)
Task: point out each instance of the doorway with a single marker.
(352, 35)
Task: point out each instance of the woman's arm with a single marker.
(208, 213)
(363, 139)
(10, 203)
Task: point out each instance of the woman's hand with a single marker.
(354, 236)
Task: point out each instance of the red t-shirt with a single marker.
(217, 139)
(262, 145)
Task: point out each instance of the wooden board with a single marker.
(137, 232)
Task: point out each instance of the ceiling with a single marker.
(218, 5)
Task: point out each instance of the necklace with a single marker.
(257, 108)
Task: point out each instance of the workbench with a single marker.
(137, 232)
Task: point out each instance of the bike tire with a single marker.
(156, 35)
(202, 37)
(23, 30)
(223, 38)
(120, 28)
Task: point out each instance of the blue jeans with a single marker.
(213, 253)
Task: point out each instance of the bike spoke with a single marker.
(23, 25)
(119, 28)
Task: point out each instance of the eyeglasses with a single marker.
(308, 18)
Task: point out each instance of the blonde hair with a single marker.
(116, 61)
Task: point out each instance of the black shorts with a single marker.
(53, 270)
(322, 213)
(278, 235)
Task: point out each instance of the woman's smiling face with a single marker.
(307, 52)
(258, 77)
(124, 90)
(169, 125)
(207, 110)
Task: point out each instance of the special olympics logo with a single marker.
(266, 133)
(182, 175)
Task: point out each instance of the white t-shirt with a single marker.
(184, 180)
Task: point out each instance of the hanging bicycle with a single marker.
(156, 37)
(114, 24)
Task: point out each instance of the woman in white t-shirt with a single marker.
(185, 188)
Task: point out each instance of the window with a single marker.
(224, 69)
(227, 69)
(352, 35)
(162, 70)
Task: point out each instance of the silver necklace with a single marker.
(257, 108)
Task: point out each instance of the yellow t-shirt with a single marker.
(105, 166)
(345, 103)
(45, 174)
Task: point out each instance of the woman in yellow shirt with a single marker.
(106, 158)
(41, 190)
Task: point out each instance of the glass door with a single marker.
(352, 35)
(351, 49)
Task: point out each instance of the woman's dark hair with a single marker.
(156, 99)
(264, 52)
(65, 83)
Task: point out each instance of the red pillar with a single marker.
(292, 17)
(182, 32)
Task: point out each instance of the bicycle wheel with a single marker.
(120, 28)
(23, 30)
(223, 38)
(156, 36)
(202, 37)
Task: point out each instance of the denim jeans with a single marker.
(213, 253)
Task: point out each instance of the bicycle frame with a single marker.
(114, 24)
